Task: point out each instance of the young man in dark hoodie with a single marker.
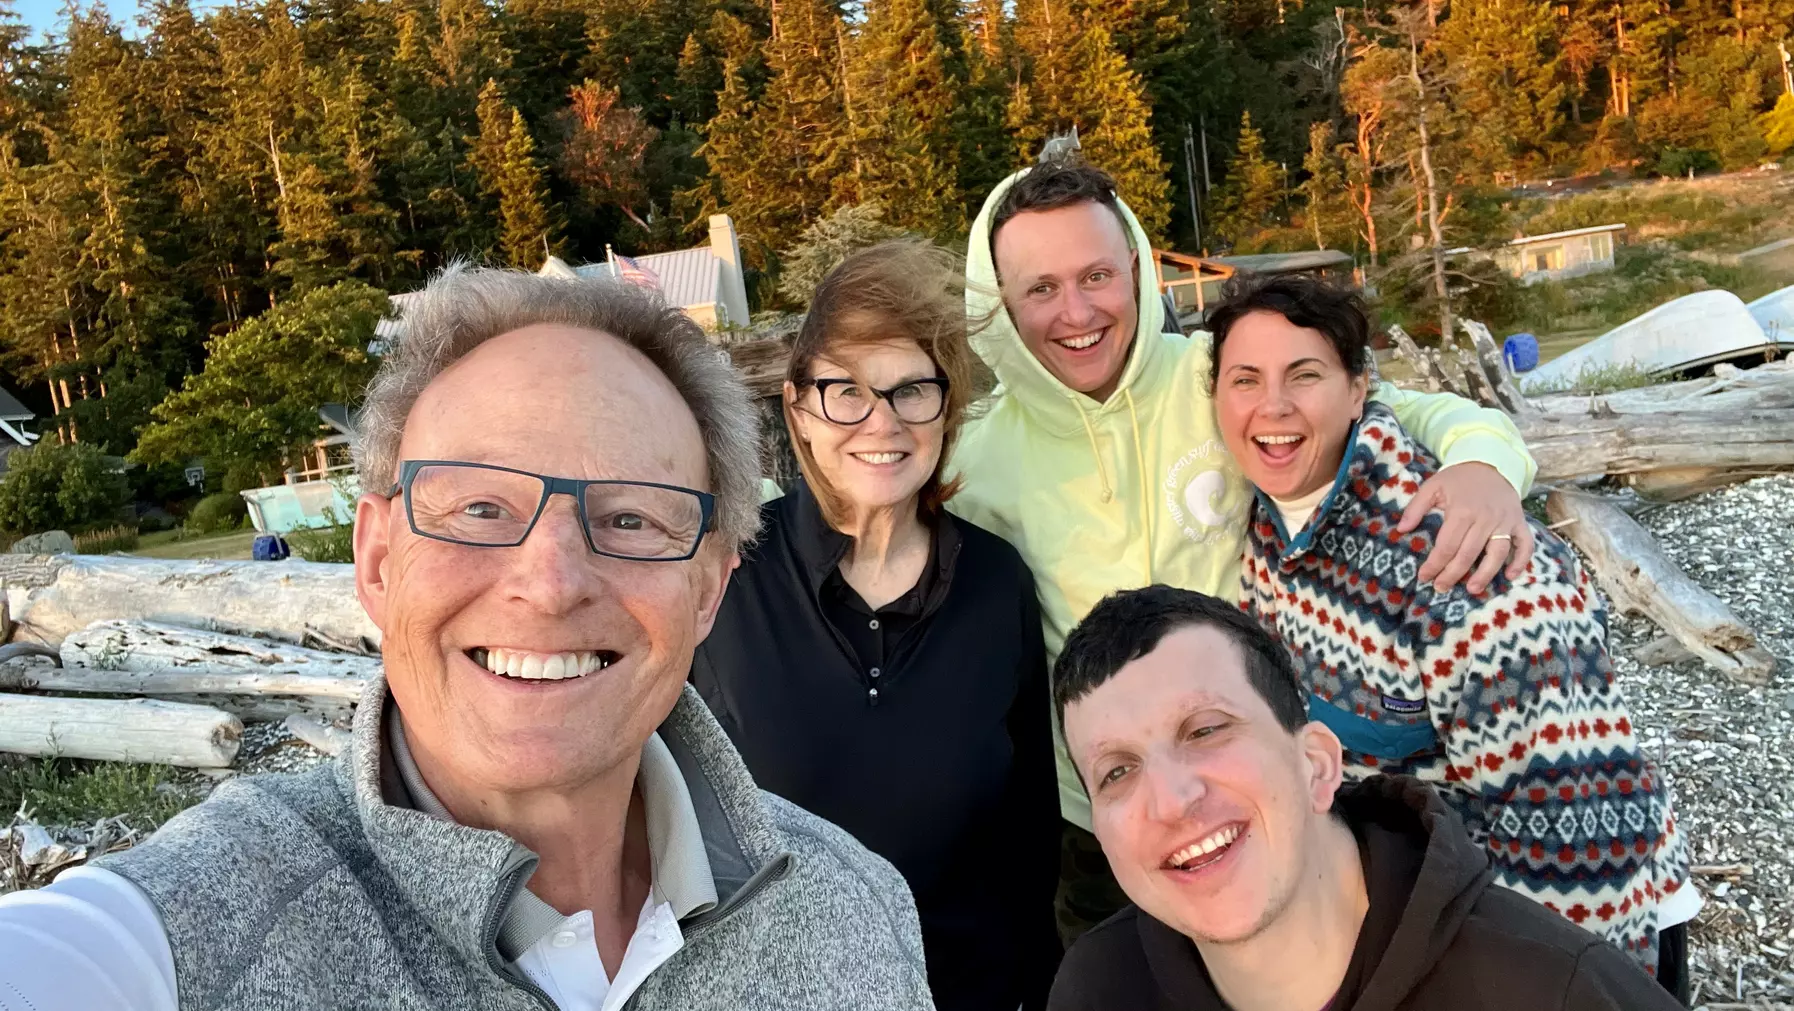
(1258, 883)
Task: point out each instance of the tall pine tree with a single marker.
(1254, 187)
(986, 152)
(1071, 76)
(900, 104)
(526, 229)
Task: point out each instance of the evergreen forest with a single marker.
(165, 184)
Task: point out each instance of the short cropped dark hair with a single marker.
(1130, 624)
(1064, 181)
(1337, 312)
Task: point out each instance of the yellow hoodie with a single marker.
(1138, 489)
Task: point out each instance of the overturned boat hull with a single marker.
(1690, 332)
(1774, 312)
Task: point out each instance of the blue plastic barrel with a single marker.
(270, 548)
(1521, 351)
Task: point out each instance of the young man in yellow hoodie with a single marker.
(1099, 459)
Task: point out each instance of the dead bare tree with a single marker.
(1415, 25)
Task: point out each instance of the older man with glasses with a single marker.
(534, 812)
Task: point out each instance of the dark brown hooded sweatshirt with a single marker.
(1438, 935)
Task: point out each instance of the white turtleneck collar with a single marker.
(1299, 510)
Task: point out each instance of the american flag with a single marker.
(635, 273)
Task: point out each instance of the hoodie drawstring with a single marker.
(1145, 485)
(1101, 470)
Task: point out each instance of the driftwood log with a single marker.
(1766, 387)
(1657, 438)
(1637, 578)
(51, 596)
(254, 679)
(323, 735)
(120, 730)
(172, 659)
(1568, 446)
(761, 364)
(1675, 439)
(1741, 420)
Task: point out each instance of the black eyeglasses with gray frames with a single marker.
(484, 506)
(846, 402)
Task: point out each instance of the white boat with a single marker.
(1689, 332)
(1774, 312)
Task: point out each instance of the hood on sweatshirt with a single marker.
(1454, 874)
(1019, 373)
(1098, 496)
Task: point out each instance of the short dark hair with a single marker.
(1130, 624)
(1058, 182)
(1339, 313)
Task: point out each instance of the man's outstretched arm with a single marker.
(90, 940)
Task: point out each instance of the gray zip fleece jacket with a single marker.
(310, 891)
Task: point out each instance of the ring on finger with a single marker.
(1501, 537)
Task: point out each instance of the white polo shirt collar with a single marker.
(560, 953)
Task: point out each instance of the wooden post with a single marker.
(1494, 369)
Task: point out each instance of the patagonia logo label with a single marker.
(1396, 704)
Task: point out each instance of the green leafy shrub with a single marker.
(217, 514)
(1778, 125)
(106, 540)
(1681, 161)
(53, 486)
(827, 242)
(257, 399)
(61, 791)
(334, 543)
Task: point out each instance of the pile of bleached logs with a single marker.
(162, 661)
(1668, 442)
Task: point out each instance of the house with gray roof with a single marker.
(706, 282)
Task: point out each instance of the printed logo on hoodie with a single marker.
(1205, 494)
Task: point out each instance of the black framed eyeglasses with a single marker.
(846, 402)
(484, 506)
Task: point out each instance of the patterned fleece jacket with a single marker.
(1504, 701)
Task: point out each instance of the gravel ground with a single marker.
(1728, 748)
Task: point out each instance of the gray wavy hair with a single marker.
(464, 307)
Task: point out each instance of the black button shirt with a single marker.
(874, 636)
(929, 737)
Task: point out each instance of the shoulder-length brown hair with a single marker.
(901, 290)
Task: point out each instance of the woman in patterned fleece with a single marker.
(1505, 701)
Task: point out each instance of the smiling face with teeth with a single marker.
(1285, 403)
(1068, 280)
(1211, 813)
(541, 667)
(882, 462)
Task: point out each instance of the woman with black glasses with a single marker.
(879, 661)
